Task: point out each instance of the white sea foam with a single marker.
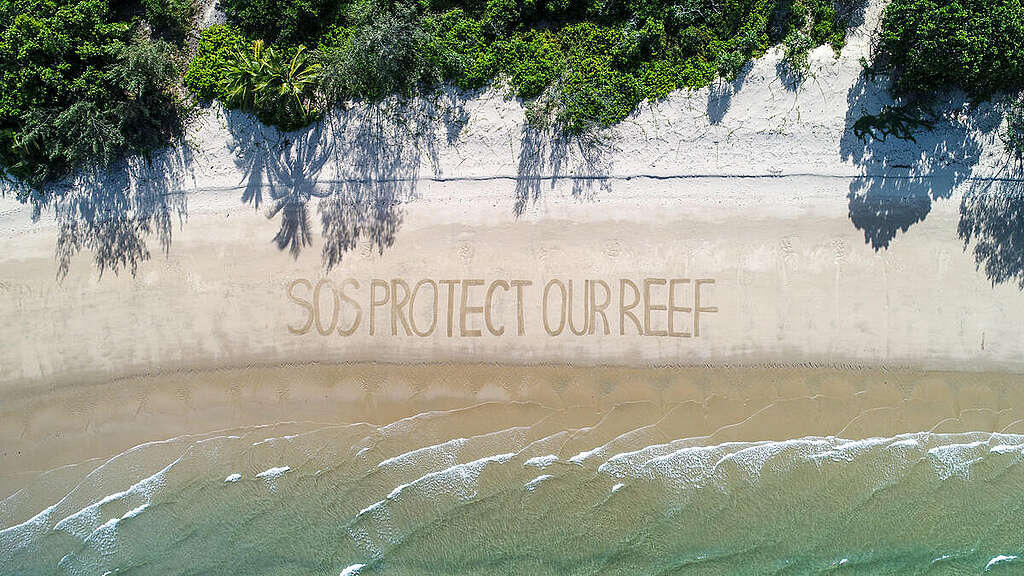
(695, 465)
(274, 439)
(946, 449)
(1002, 558)
(754, 458)
(904, 443)
(847, 450)
(84, 522)
(579, 458)
(692, 465)
(211, 439)
(372, 507)
(625, 463)
(104, 536)
(446, 451)
(455, 480)
(135, 511)
(233, 477)
(352, 570)
(271, 473)
(398, 490)
(541, 461)
(1006, 448)
(955, 459)
(536, 481)
(618, 486)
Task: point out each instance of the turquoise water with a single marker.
(505, 497)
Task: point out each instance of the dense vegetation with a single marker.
(84, 82)
(578, 63)
(79, 87)
(930, 47)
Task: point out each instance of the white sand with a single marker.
(757, 186)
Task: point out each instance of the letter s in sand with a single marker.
(303, 303)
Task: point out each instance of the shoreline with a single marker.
(53, 428)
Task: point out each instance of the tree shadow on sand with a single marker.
(114, 213)
(285, 169)
(900, 179)
(374, 154)
(992, 219)
(721, 91)
(546, 158)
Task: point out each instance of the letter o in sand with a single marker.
(561, 317)
(316, 307)
(412, 308)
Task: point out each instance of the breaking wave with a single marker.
(520, 490)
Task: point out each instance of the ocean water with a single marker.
(506, 488)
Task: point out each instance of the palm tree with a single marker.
(277, 87)
(244, 73)
(291, 81)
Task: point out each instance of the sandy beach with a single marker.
(729, 268)
(763, 237)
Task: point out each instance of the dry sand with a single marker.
(794, 283)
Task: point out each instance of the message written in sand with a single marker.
(472, 307)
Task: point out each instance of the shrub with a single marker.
(696, 41)
(171, 19)
(642, 42)
(1013, 137)
(287, 21)
(97, 129)
(932, 46)
(502, 16)
(65, 64)
(696, 73)
(278, 84)
(146, 74)
(606, 10)
(592, 94)
(728, 64)
(647, 9)
(588, 40)
(657, 79)
(796, 51)
(244, 70)
(79, 89)
(287, 87)
(805, 25)
(531, 60)
(389, 53)
(460, 51)
(206, 75)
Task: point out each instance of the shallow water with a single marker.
(519, 488)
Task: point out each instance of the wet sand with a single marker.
(47, 429)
